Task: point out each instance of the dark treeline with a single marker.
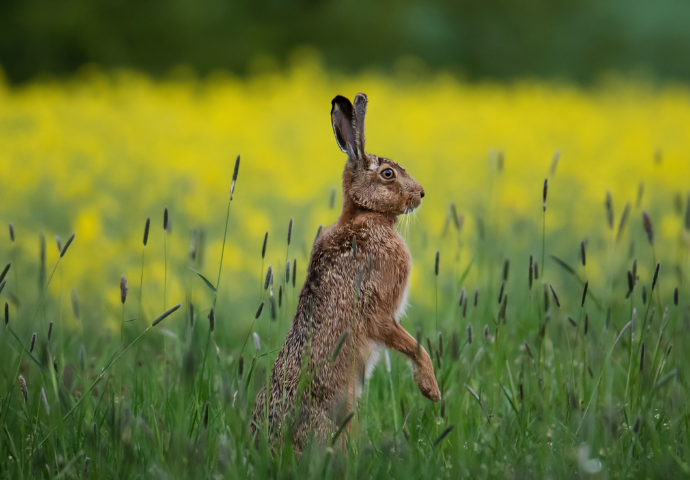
(499, 39)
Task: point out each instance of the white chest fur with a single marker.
(403, 303)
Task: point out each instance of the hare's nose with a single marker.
(421, 194)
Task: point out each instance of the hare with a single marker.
(356, 285)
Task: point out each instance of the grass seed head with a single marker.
(4, 271)
(67, 244)
(257, 342)
(263, 248)
(536, 270)
(50, 330)
(546, 189)
(586, 323)
(486, 332)
(58, 242)
(623, 222)
(280, 296)
(644, 294)
(294, 272)
(12, 228)
(609, 209)
(191, 315)
(631, 282)
(546, 299)
(462, 296)
(124, 288)
(436, 262)
(583, 253)
(584, 294)
(2, 285)
(33, 342)
(464, 308)
(648, 227)
(86, 466)
(165, 314)
(23, 389)
(235, 172)
(289, 236)
(476, 297)
(506, 269)
(531, 271)
(287, 273)
(146, 231)
(642, 356)
(528, 350)
(469, 333)
(675, 297)
(656, 276)
(269, 275)
(7, 313)
(500, 293)
(206, 416)
(165, 219)
(572, 322)
(318, 233)
(272, 304)
(259, 310)
(212, 319)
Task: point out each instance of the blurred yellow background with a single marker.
(100, 153)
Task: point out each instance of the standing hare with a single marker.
(356, 286)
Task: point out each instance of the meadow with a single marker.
(556, 317)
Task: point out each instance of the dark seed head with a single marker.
(656, 276)
(269, 274)
(280, 296)
(259, 310)
(584, 253)
(584, 293)
(165, 219)
(146, 231)
(486, 332)
(206, 416)
(50, 330)
(12, 228)
(212, 319)
(506, 269)
(624, 221)
(546, 187)
(648, 227)
(7, 314)
(123, 289)
(3, 274)
(572, 322)
(631, 282)
(289, 236)
(609, 209)
(436, 263)
(240, 366)
(586, 323)
(464, 308)
(287, 273)
(469, 333)
(536, 270)
(294, 272)
(528, 350)
(531, 271)
(263, 249)
(235, 172)
(546, 299)
(500, 293)
(675, 297)
(642, 357)
(318, 233)
(555, 297)
(33, 342)
(191, 315)
(644, 294)
(58, 242)
(476, 297)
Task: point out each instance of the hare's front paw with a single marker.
(424, 376)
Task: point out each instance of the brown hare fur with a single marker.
(309, 389)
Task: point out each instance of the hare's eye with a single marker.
(388, 174)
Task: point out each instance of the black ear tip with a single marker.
(340, 100)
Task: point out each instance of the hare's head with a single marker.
(369, 181)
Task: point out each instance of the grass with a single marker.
(550, 384)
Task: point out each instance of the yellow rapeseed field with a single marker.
(100, 153)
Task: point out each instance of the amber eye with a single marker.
(388, 174)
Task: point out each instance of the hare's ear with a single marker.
(342, 120)
(360, 113)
